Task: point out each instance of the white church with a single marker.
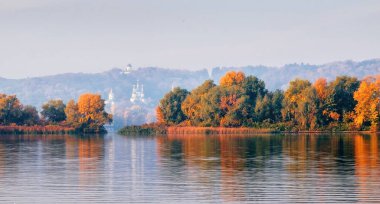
(137, 93)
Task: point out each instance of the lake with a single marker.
(190, 168)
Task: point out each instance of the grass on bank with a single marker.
(159, 129)
(38, 129)
(146, 129)
(217, 130)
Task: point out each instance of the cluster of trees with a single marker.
(342, 104)
(87, 115)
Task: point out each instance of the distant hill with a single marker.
(158, 81)
(279, 77)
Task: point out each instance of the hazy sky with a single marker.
(43, 37)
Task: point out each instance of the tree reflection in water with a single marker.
(211, 168)
(310, 160)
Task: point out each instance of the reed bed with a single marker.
(217, 130)
(48, 129)
(146, 129)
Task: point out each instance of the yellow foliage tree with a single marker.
(91, 112)
(10, 110)
(72, 114)
(320, 86)
(368, 98)
(293, 96)
(232, 78)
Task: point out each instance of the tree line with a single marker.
(243, 101)
(86, 115)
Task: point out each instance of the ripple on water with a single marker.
(212, 169)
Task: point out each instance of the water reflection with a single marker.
(366, 166)
(190, 168)
(339, 167)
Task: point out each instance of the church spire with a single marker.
(137, 93)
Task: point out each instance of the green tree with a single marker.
(54, 111)
(253, 88)
(340, 96)
(277, 102)
(170, 106)
(263, 108)
(30, 115)
(193, 105)
(211, 112)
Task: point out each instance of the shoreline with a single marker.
(150, 129)
(37, 129)
(222, 130)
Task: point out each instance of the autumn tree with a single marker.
(54, 111)
(159, 115)
(92, 115)
(322, 91)
(170, 106)
(194, 103)
(232, 78)
(244, 101)
(293, 95)
(233, 109)
(320, 86)
(13, 112)
(309, 111)
(10, 110)
(72, 114)
(232, 104)
(302, 105)
(368, 102)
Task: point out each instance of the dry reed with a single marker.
(216, 130)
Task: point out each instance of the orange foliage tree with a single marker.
(159, 115)
(320, 86)
(232, 78)
(72, 114)
(368, 98)
(92, 115)
(322, 90)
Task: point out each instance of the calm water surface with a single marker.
(190, 169)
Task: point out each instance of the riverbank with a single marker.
(38, 129)
(154, 129)
(218, 130)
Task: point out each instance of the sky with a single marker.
(45, 37)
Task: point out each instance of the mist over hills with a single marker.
(279, 77)
(158, 81)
